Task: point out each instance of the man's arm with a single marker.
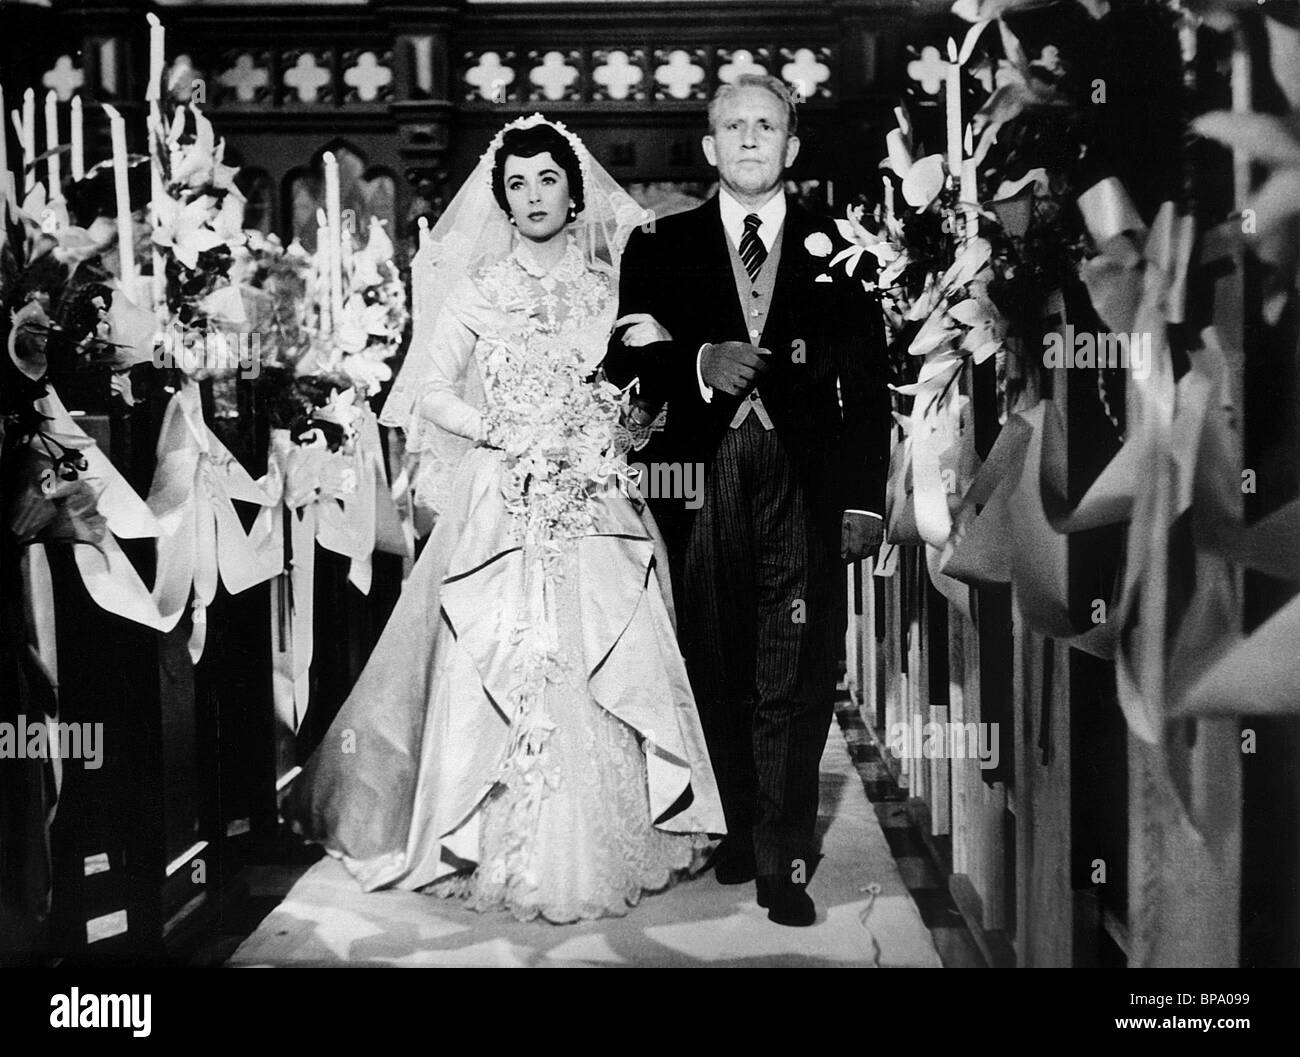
(648, 283)
(623, 363)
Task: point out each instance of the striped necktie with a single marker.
(752, 251)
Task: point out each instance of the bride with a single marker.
(524, 735)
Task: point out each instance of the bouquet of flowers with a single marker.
(58, 312)
(310, 374)
(374, 313)
(200, 219)
(558, 432)
(272, 282)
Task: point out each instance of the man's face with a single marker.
(751, 145)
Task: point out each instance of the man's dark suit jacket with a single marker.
(826, 387)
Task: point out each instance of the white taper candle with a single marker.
(53, 164)
(952, 81)
(29, 140)
(125, 223)
(78, 140)
(157, 40)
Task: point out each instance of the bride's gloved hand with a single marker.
(642, 329)
(483, 436)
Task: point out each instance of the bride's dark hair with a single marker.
(528, 143)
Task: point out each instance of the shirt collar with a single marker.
(771, 217)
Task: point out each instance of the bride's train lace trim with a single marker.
(522, 905)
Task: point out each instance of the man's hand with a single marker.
(644, 329)
(732, 366)
(860, 536)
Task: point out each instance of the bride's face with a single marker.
(537, 191)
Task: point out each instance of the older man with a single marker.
(773, 374)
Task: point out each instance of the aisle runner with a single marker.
(327, 920)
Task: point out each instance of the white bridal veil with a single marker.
(474, 229)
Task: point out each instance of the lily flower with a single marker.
(858, 237)
(184, 229)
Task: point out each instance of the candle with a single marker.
(156, 194)
(78, 140)
(28, 138)
(53, 166)
(157, 37)
(125, 225)
(888, 199)
(334, 222)
(6, 187)
(1241, 102)
(969, 188)
(323, 270)
(953, 82)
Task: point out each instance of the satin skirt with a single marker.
(524, 735)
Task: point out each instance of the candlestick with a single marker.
(6, 185)
(157, 191)
(322, 271)
(157, 38)
(78, 140)
(953, 83)
(334, 219)
(28, 138)
(969, 188)
(53, 165)
(125, 223)
(1241, 103)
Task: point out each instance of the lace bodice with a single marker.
(513, 308)
(568, 297)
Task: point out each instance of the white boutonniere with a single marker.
(818, 244)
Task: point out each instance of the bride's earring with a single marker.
(513, 222)
(573, 213)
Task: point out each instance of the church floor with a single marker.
(880, 902)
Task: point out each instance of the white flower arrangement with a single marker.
(374, 313)
(558, 433)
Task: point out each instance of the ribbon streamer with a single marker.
(341, 501)
(201, 539)
(110, 578)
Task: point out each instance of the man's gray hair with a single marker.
(754, 80)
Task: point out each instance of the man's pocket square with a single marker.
(822, 279)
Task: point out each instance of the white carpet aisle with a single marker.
(326, 920)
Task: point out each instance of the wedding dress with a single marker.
(524, 735)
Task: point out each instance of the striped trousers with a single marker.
(761, 617)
